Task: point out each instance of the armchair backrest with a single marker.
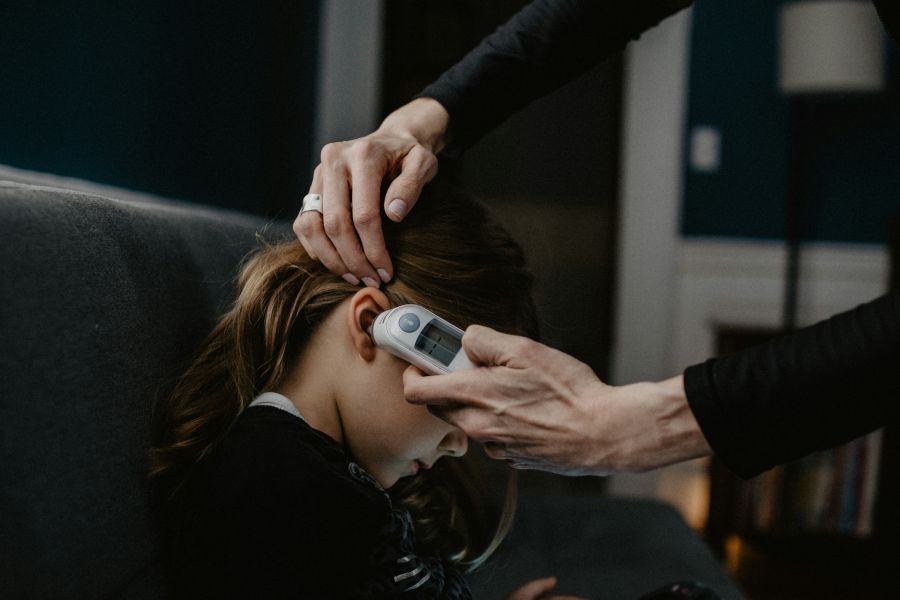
(103, 299)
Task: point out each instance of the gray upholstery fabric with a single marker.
(600, 548)
(104, 295)
(102, 301)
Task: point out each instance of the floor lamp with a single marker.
(832, 48)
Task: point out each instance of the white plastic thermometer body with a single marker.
(422, 338)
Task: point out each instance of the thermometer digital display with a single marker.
(422, 338)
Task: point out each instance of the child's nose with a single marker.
(454, 443)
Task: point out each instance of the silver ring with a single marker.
(311, 202)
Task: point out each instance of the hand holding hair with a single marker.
(345, 235)
(539, 408)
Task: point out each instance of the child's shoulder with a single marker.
(275, 494)
(264, 435)
(270, 449)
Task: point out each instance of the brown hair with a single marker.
(450, 256)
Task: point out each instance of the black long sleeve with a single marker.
(816, 388)
(546, 44)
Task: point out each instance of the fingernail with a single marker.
(349, 278)
(385, 277)
(398, 207)
(370, 282)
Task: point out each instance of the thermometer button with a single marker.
(409, 322)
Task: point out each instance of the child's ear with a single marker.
(365, 306)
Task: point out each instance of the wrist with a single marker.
(424, 119)
(680, 436)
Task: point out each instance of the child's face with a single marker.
(390, 437)
(352, 390)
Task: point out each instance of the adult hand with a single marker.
(542, 409)
(538, 590)
(346, 236)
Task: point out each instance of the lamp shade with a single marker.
(830, 46)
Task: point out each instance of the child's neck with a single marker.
(310, 387)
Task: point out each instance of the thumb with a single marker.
(419, 166)
(486, 347)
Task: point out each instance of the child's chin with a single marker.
(389, 486)
(387, 482)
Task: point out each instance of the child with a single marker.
(289, 462)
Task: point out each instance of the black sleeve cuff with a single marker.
(812, 389)
(728, 441)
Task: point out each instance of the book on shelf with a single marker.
(828, 492)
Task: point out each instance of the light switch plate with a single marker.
(706, 149)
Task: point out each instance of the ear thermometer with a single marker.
(422, 338)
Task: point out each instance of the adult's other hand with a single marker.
(539, 589)
(346, 236)
(539, 408)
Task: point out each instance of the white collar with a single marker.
(277, 401)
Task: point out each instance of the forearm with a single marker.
(652, 426)
(546, 44)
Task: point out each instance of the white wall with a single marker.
(349, 75)
(654, 117)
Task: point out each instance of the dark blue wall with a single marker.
(208, 101)
(855, 161)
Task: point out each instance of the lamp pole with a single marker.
(801, 158)
(826, 47)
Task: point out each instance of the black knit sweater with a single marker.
(280, 510)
